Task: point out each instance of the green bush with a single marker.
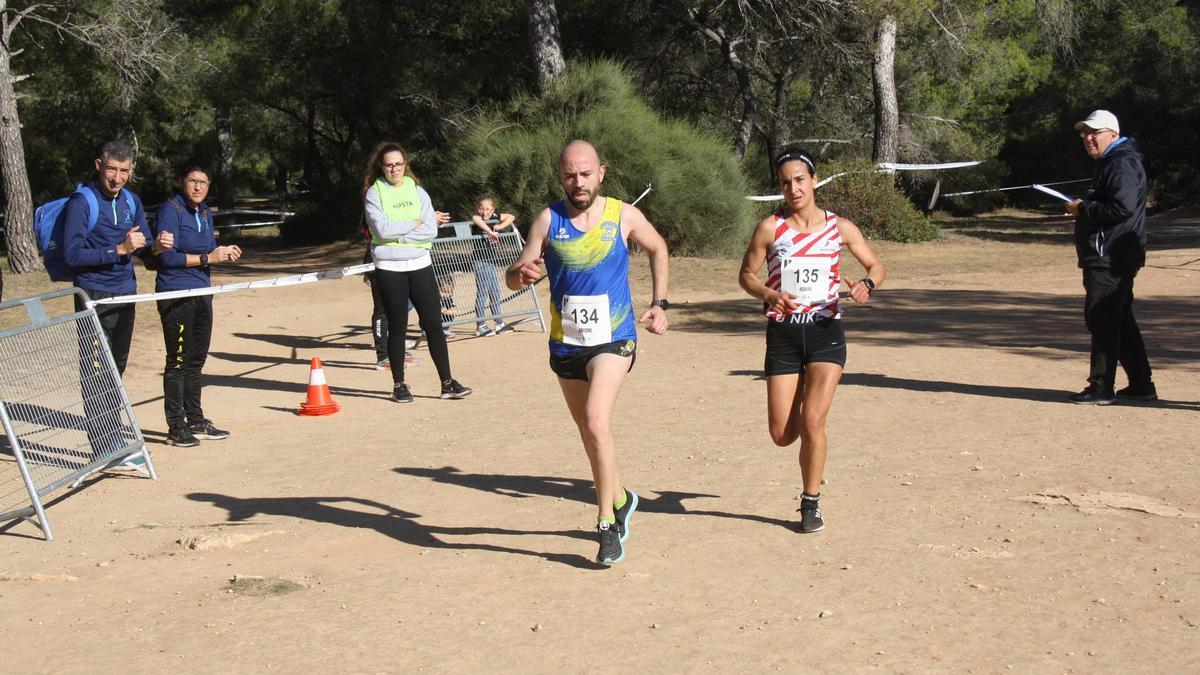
(698, 202)
(869, 198)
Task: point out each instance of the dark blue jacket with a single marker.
(93, 255)
(193, 231)
(1110, 230)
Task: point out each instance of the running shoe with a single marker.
(452, 389)
(410, 344)
(410, 360)
(624, 513)
(383, 364)
(810, 520)
(611, 552)
(505, 328)
(1095, 395)
(401, 394)
(484, 331)
(1139, 392)
(182, 437)
(205, 430)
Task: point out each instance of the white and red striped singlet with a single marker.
(813, 264)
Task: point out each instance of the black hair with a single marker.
(795, 153)
(193, 167)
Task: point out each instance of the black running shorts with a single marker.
(574, 366)
(792, 346)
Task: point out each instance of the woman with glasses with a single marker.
(187, 321)
(403, 224)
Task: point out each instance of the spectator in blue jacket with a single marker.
(102, 257)
(187, 321)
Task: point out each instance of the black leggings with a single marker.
(420, 286)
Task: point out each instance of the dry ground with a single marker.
(977, 522)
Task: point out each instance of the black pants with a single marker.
(379, 322)
(1108, 313)
(187, 332)
(396, 289)
(101, 403)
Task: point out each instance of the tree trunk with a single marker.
(545, 42)
(18, 213)
(883, 77)
(225, 180)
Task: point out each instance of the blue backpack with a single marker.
(49, 222)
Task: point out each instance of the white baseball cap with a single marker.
(1100, 119)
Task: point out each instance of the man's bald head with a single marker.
(580, 171)
(579, 150)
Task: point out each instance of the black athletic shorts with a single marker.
(792, 346)
(574, 366)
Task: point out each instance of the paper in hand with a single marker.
(1053, 193)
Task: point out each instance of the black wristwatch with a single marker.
(870, 284)
(661, 303)
(204, 260)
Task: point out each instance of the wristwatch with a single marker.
(204, 260)
(869, 283)
(661, 303)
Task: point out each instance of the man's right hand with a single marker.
(134, 239)
(530, 272)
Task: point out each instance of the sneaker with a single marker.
(447, 333)
(410, 344)
(383, 364)
(452, 389)
(1139, 392)
(204, 429)
(181, 437)
(810, 520)
(410, 360)
(1094, 395)
(484, 331)
(505, 328)
(625, 512)
(611, 552)
(401, 394)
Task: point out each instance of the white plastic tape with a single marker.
(882, 166)
(306, 278)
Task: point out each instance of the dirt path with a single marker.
(976, 520)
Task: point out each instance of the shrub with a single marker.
(698, 202)
(869, 198)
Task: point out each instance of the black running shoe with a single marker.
(182, 437)
(611, 552)
(1139, 392)
(810, 520)
(205, 430)
(452, 389)
(624, 513)
(1094, 395)
(401, 394)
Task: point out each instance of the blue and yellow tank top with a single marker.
(589, 282)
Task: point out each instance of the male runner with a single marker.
(593, 337)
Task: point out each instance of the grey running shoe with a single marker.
(505, 328)
(182, 437)
(484, 331)
(383, 364)
(810, 520)
(611, 552)
(204, 429)
(624, 513)
(452, 389)
(401, 394)
(1139, 392)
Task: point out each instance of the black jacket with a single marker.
(1110, 230)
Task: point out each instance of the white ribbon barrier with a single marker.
(278, 282)
(1015, 187)
(882, 166)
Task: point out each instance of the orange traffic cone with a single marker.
(319, 401)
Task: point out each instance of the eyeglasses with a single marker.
(197, 182)
(1093, 132)
(394, 165)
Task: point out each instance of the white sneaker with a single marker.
(484, 331)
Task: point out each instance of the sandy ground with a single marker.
(977, 521)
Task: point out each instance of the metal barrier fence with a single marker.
(470, 272)
(62, 404)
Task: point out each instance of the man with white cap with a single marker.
(1110, 241)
